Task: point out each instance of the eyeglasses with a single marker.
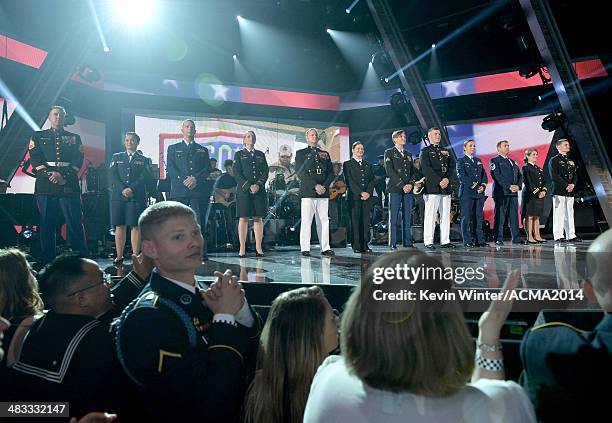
(106, 280)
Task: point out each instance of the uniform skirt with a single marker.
(252, 205)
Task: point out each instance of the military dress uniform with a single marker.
(380, 182)
(190, 365)
(314, 167)
(533, 178)
(400, 172)
(190, 159)
(562, 172)
(436, 164)
(250, 168)
(128, 171)
(472, 176)
(60, 151)
(359, 177)
(505, 172)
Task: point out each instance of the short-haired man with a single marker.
(562, 171)
(564, 365)
(68, 354)
(188, 169)
(507, 181)
(56, 156)
(315, 171)
(437, 165)
(185, 345)
(400, 174)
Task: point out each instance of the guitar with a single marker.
(225, 196)
(337, 189)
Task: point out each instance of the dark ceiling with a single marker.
(287, 46)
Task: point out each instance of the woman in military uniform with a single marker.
(532, 204)
(251, 173)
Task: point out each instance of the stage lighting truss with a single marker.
(553, 121)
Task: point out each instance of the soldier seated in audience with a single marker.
(68, 354)
(187, 347)
(566, 369)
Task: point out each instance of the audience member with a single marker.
(566, 369)
(300, 331)
(412, 361)
(68, 354)
(186, 347)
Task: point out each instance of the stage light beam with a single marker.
(350, 8)
(98, 27)
(136, 12)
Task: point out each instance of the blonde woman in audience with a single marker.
(300, 331)
(408, 361)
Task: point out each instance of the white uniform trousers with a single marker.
(317, 207)
(563, 217)
(432, 205)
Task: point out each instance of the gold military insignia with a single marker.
(444, 152)
(32, 145)
(323, 155)
(570, 162)
(388, 159)
(163, 354)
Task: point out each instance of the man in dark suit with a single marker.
(186, 346)
(507, 180)
(437, 165)
(472, 183)
(56, 156)
(315, 172)
(562, 171)
(359, 177)
(129, 175)
(567, 370)
(400, 171)
(188, 169)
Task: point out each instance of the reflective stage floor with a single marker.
(550, 265)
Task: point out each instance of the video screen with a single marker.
(223, 137)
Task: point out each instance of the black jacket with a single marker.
(184, 161)
(133, 174)
(562, 171)
(437, 163)
(313, 166)
(358, 178)
(250, 169)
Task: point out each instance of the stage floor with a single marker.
(550, 265)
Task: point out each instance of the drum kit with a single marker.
(283, 196)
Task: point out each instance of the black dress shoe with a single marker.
(481, 244)
(393, 247)
(409, 246)
(469, 245)
(328, 253)
(241, 255)
(118, 261)
(498, 242)
(449, 245)
(260, 255)
(430, 247)
(541, 241)
(574, 239)
(560, 240)
(306, 253)
(531, 242)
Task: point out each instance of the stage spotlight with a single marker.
(553, 121)
(353, 4)
(136, 12)
(238, 18)
(433, 46)
(106, 49)
(328, 30)
(235, 56)
(348, 11)
(386, 80)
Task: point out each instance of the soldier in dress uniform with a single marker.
(187, 347)
(563, 174)
(251, 173)
(472, 183)
(532, 200)
(188, 168)
(437, 165)
(57, 155)
(315, 172)
(400, 174)
(359, 177)
(507, 181)
(129, 175)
